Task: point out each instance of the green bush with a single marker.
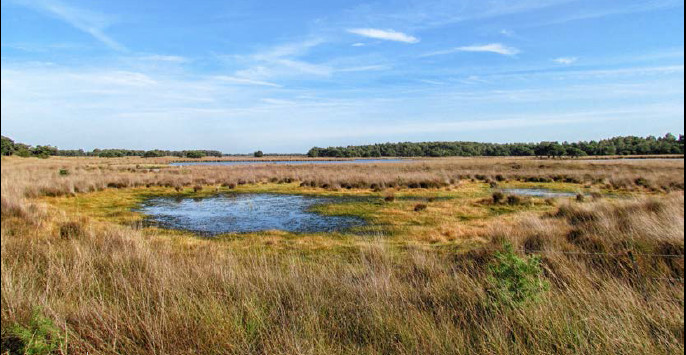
(258, 154)
(513, 280)
(39, 336)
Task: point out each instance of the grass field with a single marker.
(468, 272)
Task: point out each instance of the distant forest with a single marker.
(9, 147)
(669, 144)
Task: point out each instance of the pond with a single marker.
(538, 192)
(286, 162)
(245, 213)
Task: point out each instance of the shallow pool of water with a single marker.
(538, 192)
(286, 162)
(244, 213)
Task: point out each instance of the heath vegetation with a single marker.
(449, 264)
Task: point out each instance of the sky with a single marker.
(284, 76)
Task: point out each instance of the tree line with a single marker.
(9, 147)
(669, 144)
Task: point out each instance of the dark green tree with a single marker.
(7, 146)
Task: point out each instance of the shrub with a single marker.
(514, 200)
(514, 281)
(580, 197)
(389, 198)
(498, 197)
(71, 230)
(642, 182)
(40, 336)
(197, 188)
(258, 154)
(420, 207)
(64, 172)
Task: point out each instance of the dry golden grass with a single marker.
(615, 266)
(36, 177)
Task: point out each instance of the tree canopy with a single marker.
(630, 145)
(9, 147)
(669, 144)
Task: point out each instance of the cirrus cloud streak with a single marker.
(386, 35)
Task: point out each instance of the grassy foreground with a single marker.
(600, 276)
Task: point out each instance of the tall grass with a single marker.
(615, 269)
(35, 177)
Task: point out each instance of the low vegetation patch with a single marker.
(515, 281)
(39, 336)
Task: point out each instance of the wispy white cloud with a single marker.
(386, 35)
(164, 58)
(496, 48)
(508, 33)
(245, 81)
(363, 68)
(437, 13)
(667, 70)
(491, 48)
(281, 102)
(432, 82)
(304, 67)
(566, 60)
(284, 60)
(291, 49)
(619, 9)
(558, 74)
(90, 22)
(39, 48)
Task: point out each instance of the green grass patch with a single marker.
(38, 336)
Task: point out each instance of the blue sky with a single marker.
(283, 76)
